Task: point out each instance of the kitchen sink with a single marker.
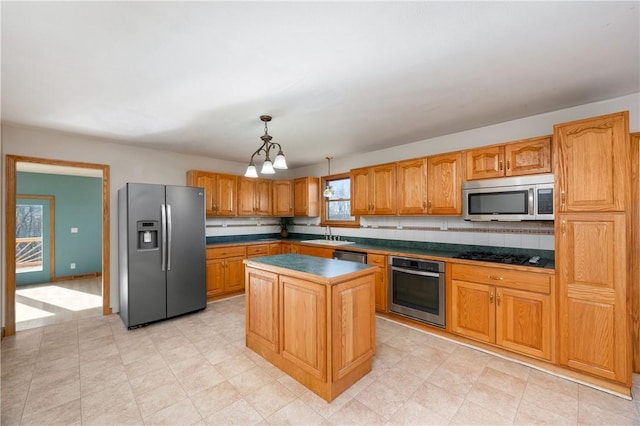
(328, 242)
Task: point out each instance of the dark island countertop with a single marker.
(327, 270)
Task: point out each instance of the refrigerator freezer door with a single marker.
(147, 298)
(186, 248)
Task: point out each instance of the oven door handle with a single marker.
(416, 272)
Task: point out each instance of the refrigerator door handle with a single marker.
(163, 214)
(168, 237)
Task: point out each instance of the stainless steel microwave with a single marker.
(509, 199)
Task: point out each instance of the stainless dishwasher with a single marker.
(351, 256)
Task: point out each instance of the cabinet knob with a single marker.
(498, 298)
(508, 164)
(563, 198)
(500, 167)
(490, 297)
(495, 277)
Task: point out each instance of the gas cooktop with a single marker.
(512, 259)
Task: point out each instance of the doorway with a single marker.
(12, 167)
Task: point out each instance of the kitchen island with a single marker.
(313, 318)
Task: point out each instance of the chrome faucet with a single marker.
(327, 233)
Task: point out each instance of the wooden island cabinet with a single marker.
(313, 318)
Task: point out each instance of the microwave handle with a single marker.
(531, 201)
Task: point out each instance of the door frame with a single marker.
(10, 230)
(52, 231)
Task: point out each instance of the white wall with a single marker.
(129, 164)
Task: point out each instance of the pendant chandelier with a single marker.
(328, 190)
(267, 167)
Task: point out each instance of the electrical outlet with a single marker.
(72, 266)
(74, 230)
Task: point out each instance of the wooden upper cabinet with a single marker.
(220, 191)
(444, 184)
(430, 185)
(528, 157)
(306, 196)
(360, 204)
(593, 317)
(525, 157)
(282, 191)
(254, 197)
(412, 186)
(373, 190)
(593, 163)
(484, 163)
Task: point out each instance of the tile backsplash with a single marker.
(452, 230)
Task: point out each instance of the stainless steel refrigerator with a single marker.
(162, 252)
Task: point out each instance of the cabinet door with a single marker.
(485, 163)
(225, 198)
(381, 290)
(206, 181)
(215, 277)
(412, 186)
(304, 343)
(306, 196)
(262, 309)
(528, 157)
(593, 164)
(523, 322)
(234, 274)
(262, 202)
(592, 279)
(473, 311)
(383, 192)
(275, 248)
(282, 198)
(360, 204)
(444, 184)
(246, 196)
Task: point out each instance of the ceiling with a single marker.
(338, 78)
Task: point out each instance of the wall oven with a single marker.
(416, 289)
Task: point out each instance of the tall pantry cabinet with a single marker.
(592, 169)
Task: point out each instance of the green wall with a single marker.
(78, 204)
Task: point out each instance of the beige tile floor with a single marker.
(38, 305)
(196, 370)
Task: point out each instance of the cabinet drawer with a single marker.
(257, 250)
(521, 280)
(219, 252)
(377, 259)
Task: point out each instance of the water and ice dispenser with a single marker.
(148, 234)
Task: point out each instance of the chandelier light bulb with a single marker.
(267, 168)
(251, 171)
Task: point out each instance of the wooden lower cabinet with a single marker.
(225, 271)
(313, 251)
(381, 276)
(592, 278)
(517, 314)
